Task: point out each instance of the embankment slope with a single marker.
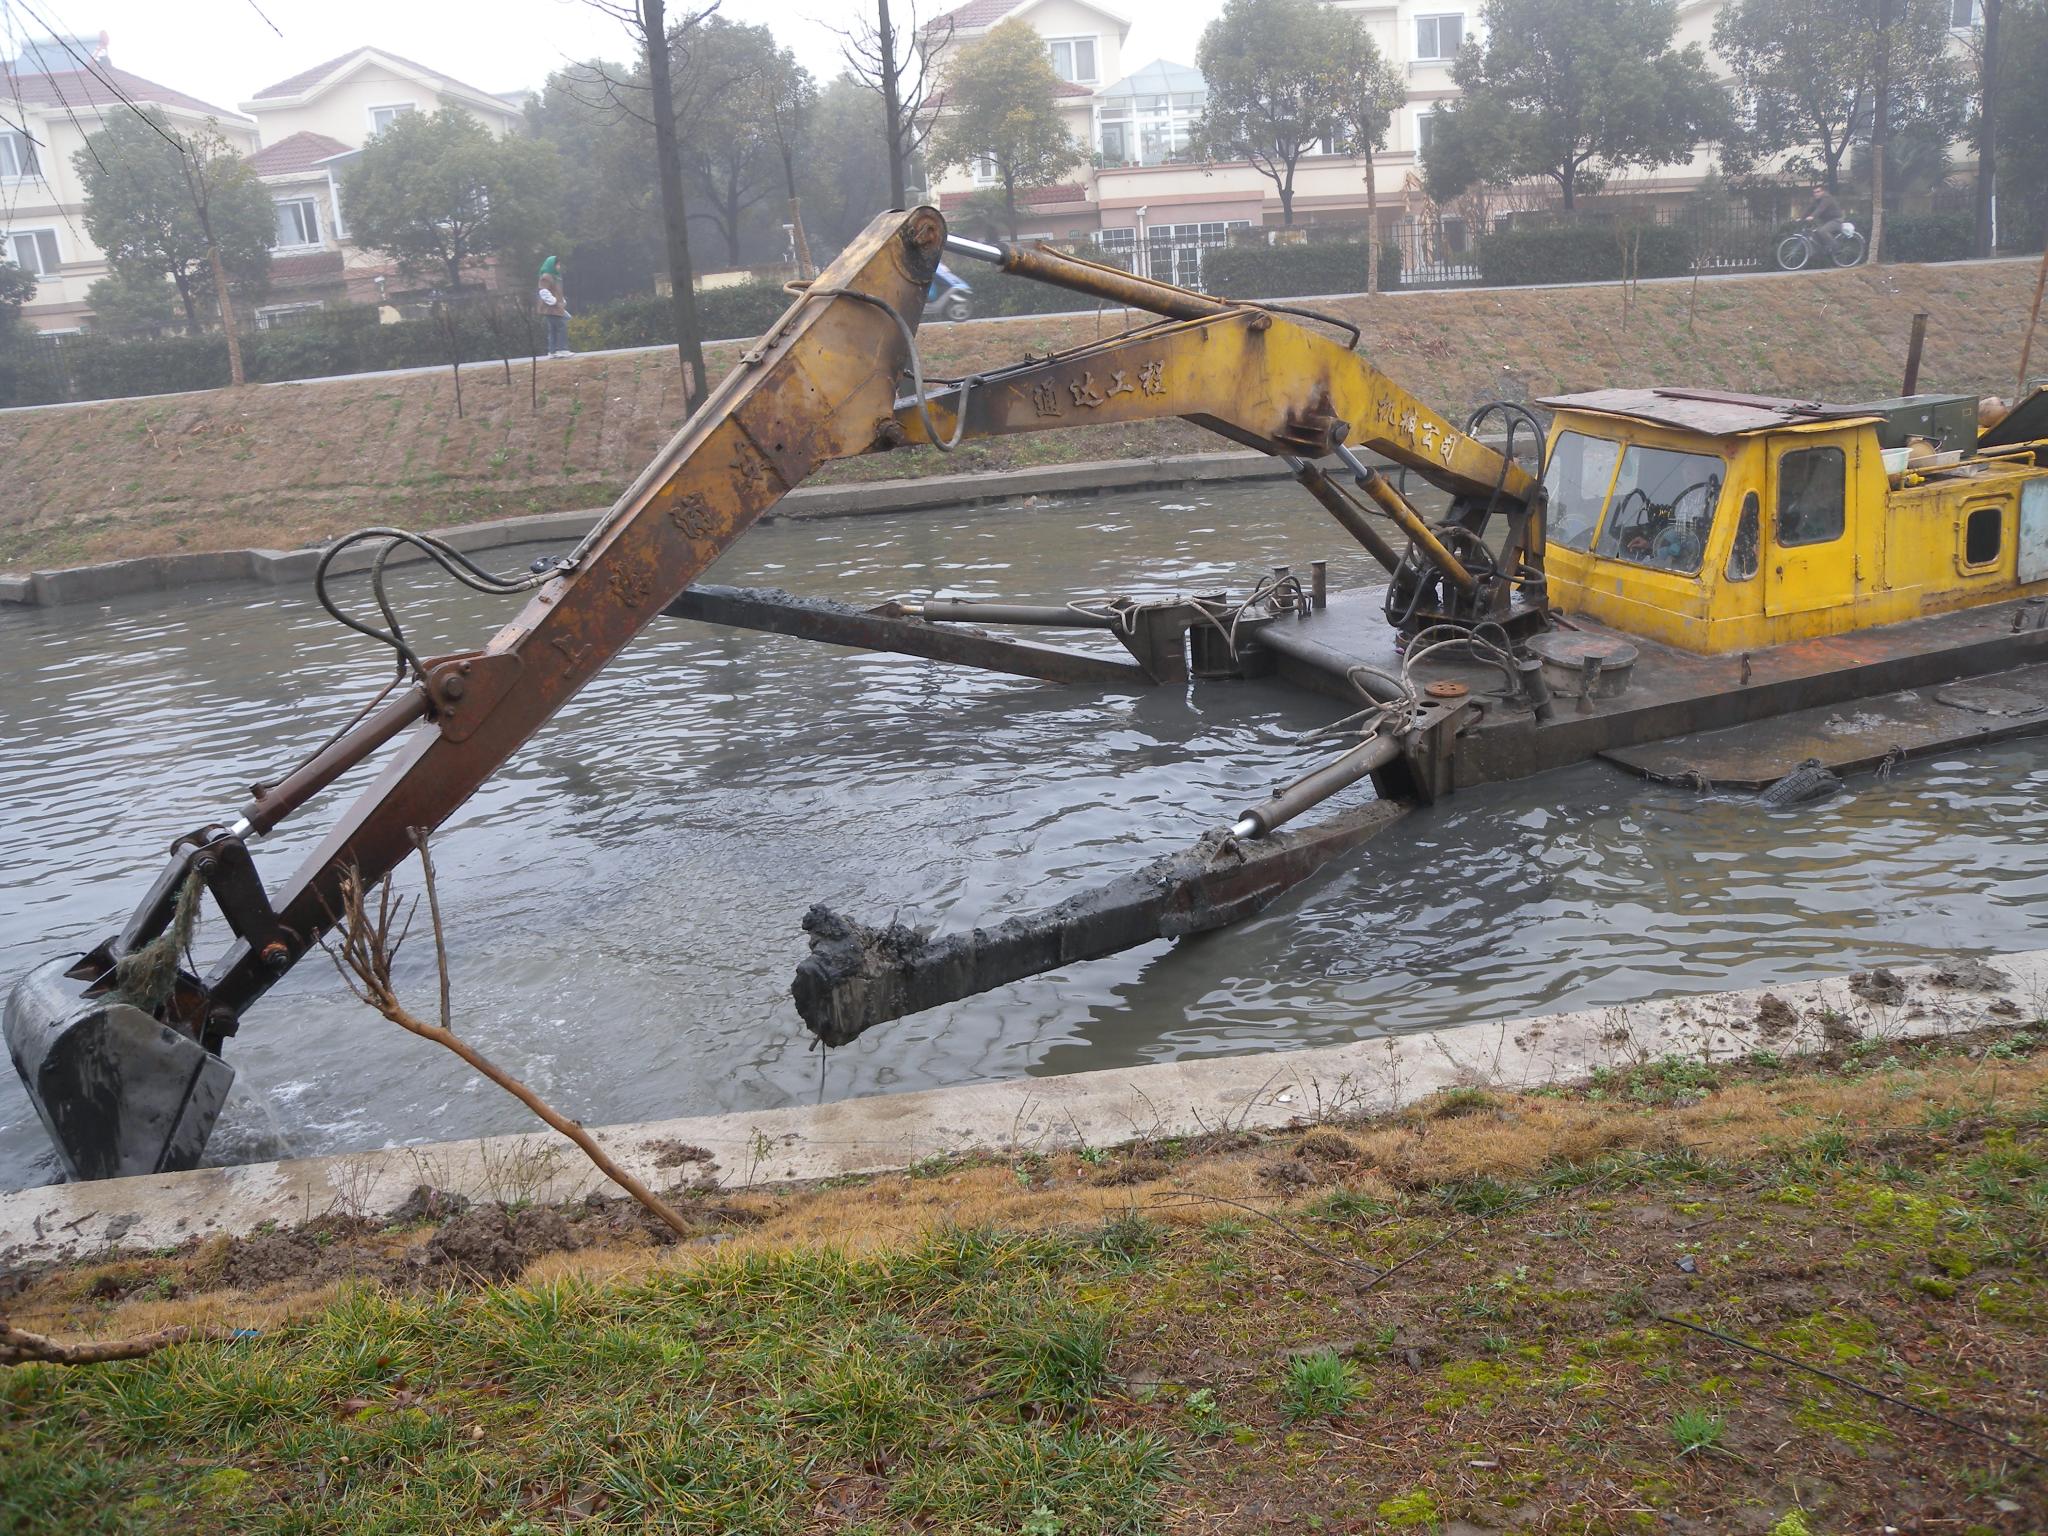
(284, 465)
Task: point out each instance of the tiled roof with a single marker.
(975, 13)
(306, 79)
(307, 271)
(1065, 192)
(300, 152)
(103, 87)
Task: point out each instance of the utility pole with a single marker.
(1880, 128)
(1987, 132)
(892, 101)
(669, 165)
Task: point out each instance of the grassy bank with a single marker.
(1469, 1317)
(280, 466)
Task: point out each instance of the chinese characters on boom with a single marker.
(1392, 411)
(1045, 394)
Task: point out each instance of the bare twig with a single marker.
(19, 1347)
(1853, 1386)
(419, 841)
(367, 948)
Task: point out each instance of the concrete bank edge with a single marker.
(1110, 1107)
(278, 567)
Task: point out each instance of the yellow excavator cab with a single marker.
(1717, 522)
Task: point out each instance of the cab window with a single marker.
(1812, 486)
(1576, 479)
(1742, 554)
(1662, 509)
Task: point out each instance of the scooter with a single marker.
(948, 303)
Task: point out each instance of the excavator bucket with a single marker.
(118, 1091)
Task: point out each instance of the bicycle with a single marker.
(1800, 247)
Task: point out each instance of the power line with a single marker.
(266, 20)
(85, 65)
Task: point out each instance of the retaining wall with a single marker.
(282, 567)
(870, 1135)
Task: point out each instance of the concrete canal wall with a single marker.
(868, 1135)
(288, 567)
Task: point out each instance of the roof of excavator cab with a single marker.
(1714, 412)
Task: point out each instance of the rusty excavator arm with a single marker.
(121, 1049)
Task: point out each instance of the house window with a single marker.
(1962, 14)
(281, 316)
(17, 155)
(34, 251)
(1812, 499)
(1437, 37)
(1147, 130)
(298, 221)
(383, 117)
(1073, 59)
(1425, 129)
(985, 170)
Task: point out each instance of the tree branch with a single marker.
(364, 954)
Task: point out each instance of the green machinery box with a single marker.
(1951, 420)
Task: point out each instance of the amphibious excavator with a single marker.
(1694, 584)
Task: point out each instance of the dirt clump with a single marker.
(1775, 1016)
(494, 1243)
(1323, 1144)
(1879, 986)
(325, 1247)
(671, 1153)
(1971, 975)
(1136, 1168)
(427, 1203)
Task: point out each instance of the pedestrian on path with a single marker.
(554, 307)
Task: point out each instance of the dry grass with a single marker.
(281, 466)
(1453, 1318)
(1182, 1183)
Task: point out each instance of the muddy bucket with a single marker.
(119, 1092)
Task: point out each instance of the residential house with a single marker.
(52, 96)
(1143, 192)
(1146, 197)
(312, 126)
(1085, 44)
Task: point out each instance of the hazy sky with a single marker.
(223, 50)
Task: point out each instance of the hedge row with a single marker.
(1282, 271)
(723, 314)
(1581, 253)
(338, 341)
(1929, 237)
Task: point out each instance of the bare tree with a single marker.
(211, 167)
(1987, 128)
(791, 99)
(897, 63)
(646, 22)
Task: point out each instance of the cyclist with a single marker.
(1824, 215)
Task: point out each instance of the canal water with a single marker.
(623, 899)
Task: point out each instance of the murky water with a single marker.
(624, 898)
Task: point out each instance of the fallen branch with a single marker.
(1908, 1404)
(20, 1347)
(367, 948)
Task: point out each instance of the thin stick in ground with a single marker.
(366, 950)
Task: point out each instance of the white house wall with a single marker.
(55, 200)
(342, 112)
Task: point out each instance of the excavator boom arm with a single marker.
(1241, 370)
